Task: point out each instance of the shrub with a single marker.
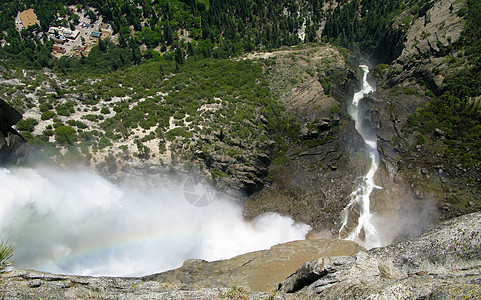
(90, 117)
(47, 115)
(173, 133)
(65, 135)
(6, 253)
(27, 124)
(104, 142)
(48, 132)
(44, 107)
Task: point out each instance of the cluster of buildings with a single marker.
(63, 33)
(66, 41)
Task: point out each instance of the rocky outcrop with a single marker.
(311, 181)
(12, 145)
(239, 168)
(251, 275)
(426, 31)
(27, 284)
(257, 271)
(443, 263)
(313, 184)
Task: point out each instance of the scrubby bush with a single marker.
(65, 135)
(47, 115)
(6, 253)
(27, 124)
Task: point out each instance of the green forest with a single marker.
(217, 29)
(221, 30)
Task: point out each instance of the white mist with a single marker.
(364, 231)
(76, 222)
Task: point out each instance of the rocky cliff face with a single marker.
(12, 146)
(414, 176)
(311, 181)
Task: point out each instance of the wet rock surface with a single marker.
(314, 183)
(311, 181)
(257, 271)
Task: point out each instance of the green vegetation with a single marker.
(333, 76)
(216, 29)
(465, 82)
(176, 105)
(456, 114)
(65, 135)
(358, 24)
(6, 253)
(27, 125)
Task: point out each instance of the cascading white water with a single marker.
(365, 231)
(76, 222)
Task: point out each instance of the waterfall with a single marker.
(73, 221)
(364, 232)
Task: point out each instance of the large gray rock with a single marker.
(443, 263)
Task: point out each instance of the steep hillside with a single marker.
(313, 174)
(284, 126)
(426, 109)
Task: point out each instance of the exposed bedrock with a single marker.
(443, 263)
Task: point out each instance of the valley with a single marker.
(336, 121)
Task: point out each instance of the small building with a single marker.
(96, 34)
(71, 34)
(59, 41)
(58, 49)
(80, 48)
(55, 30)
(28, 18)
